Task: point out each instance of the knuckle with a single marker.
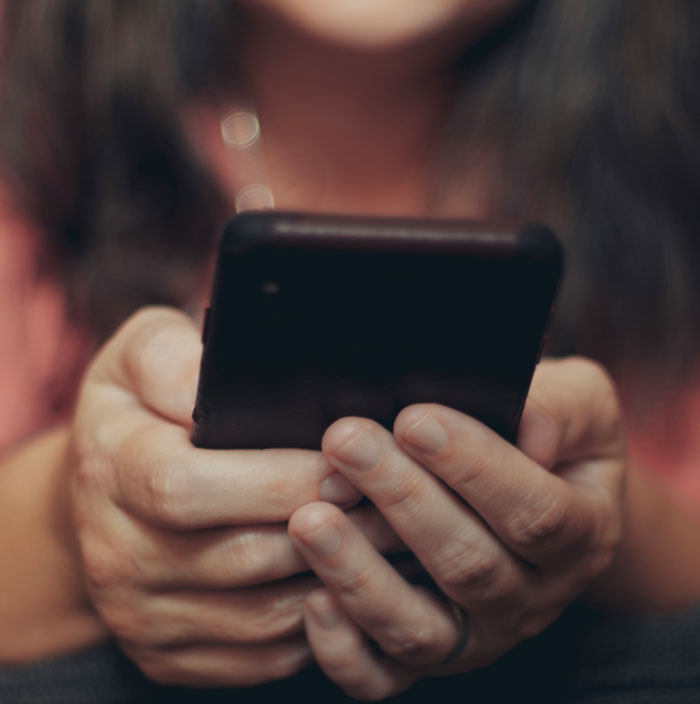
(547, 520)
(90, 465)
(357, 583)
(275, 622)
(155, 477)
(87, 464)
(246, 558)
(124, 626)
(158, 493)
(414, 643)
(471, 471)
(462, 571)
(408, 490)
(164, 485)
(168, 495)
(279, 487)
(103, 567)
(127, 624)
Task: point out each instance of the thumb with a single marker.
(155, 355)
(572, 412)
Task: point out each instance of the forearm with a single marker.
(43, 603)
(657, 566)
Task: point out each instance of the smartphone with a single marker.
(316, 317)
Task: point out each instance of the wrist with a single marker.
(44, 603)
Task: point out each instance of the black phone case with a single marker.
(315, 317)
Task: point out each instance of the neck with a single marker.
(347, 130)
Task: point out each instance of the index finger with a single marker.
(149, 467)
(185, 488)
(539, 514)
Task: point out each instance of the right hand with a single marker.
(184, 551)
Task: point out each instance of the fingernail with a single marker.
(322, 612)
(360, 452)
(336, 489)
(323, 541)
(427, 435)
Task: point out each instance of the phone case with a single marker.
(316, 317)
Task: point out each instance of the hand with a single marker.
(510, 536)
(184, 549)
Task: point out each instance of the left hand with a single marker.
(510, 535)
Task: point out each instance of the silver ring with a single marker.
(462, 624)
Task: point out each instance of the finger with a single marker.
(186, 617)
(406, 624)
(216, 558)
(155, 355)
(186, 488)
(223, 666)
(343, 652)
(540, 516)
(149, 468)
(463, 556)
(572, 413)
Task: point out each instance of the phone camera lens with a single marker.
(270, 288)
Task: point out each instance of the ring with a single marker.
(463, 639)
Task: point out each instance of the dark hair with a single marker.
(92, 148)
(593, 107)
(595, 110)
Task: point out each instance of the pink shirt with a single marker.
(669, 445)
(37, 345)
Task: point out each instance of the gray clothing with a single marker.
(582, 659)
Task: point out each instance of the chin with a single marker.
(383, 24)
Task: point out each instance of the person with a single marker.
(233, 569)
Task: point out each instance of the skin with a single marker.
(328, 109)
(170, 572)
(185, 551)
(180, 553)
(380, 24)
(509, 535)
